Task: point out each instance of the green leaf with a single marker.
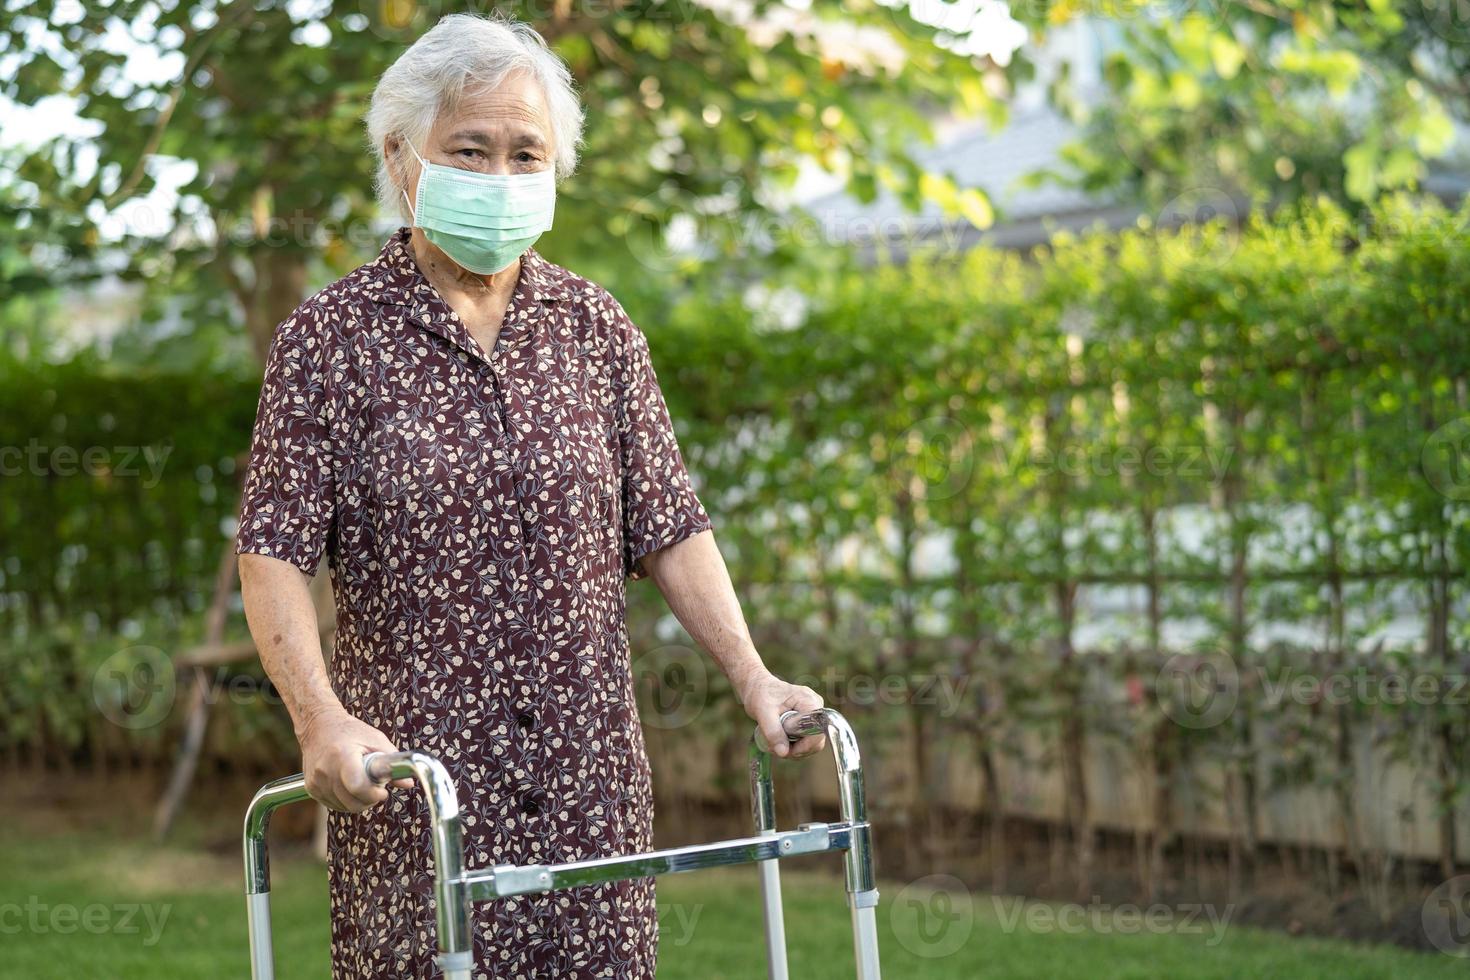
(1227, 55)
(975, 205)
(1361, 162)
(1435, 132)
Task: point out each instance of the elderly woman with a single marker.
(475, 440)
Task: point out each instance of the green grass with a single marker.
(710, 925)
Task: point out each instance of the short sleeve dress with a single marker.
(480, 513)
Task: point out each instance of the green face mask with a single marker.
(484, 222)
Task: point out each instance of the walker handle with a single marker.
(451, 897)
(797, 725)
(379, 765)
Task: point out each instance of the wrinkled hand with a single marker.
(766, 697)
(333, 744)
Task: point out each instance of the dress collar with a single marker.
(394, 279)
(394, 276)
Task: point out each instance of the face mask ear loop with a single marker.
(423, 172)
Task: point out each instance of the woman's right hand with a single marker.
(333, 744)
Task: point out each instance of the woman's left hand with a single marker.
(766, 698)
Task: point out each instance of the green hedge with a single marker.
(115, 490)
(1254, 440)
(115, 498)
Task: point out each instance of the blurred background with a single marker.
(1079, 390)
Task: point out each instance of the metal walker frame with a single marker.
(456, 887)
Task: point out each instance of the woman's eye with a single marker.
(470, 154)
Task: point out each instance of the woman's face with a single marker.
(501, 130)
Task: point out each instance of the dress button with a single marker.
(526, 720)
(533, 800)
(547, 954)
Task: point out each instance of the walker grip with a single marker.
(379, 765)
(797, 725)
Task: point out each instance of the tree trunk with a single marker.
(1241, 778)
(996, 812)
(278, 288)
(201, 690)
(1074, 746)
(1159, 748)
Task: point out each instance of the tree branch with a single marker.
(239, 11)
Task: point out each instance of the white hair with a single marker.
(464, 52)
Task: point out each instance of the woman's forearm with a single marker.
(283, 622)
(696, 584)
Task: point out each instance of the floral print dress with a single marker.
(480, 512)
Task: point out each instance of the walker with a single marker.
(455, 886)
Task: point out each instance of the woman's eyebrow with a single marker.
(471, 136)
(523, 138)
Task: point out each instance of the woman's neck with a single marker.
(448, 276)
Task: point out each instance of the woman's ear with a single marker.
(393, 153)
(401, 168)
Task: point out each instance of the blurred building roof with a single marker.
(998, 163)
